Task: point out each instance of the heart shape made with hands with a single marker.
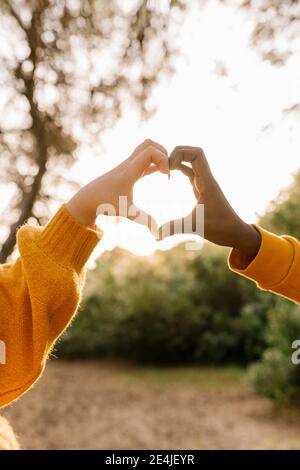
(150, 157)
(162, 205)
(190, 161)
(164, 201)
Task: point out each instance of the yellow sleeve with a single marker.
(39, 294)
(275, 268)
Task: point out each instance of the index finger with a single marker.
(144, 145)
(193, 155)
(150, 155)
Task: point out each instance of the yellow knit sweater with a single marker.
(275, 268)
(39, 294)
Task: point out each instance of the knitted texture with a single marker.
(39, 295)
(275, 268)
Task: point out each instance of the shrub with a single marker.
(276, 377)
(169, 309)
(270, 377)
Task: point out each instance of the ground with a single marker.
(102, 405)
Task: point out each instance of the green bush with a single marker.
(180, 307)
(172, 308)
(276, 377)
(270, 377)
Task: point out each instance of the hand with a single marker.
(221, 223)
(102, 194)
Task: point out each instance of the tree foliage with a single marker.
(169, 309)
(68, 67)
(283, 214)
(275, 376)
(277, 25)
(276, 32)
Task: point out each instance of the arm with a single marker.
(39, 294)
(41, 291)
(271, 261)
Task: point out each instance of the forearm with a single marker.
(81, 211)
(83, 205)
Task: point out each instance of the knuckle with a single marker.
(153, 149)
(200, 152)
(178, 149)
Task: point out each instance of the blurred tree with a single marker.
(67, 68)
(174, 307)
(277, 26)
(283, 214)
(275, 376)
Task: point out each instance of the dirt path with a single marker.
(85, 405)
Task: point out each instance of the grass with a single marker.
(202, 377)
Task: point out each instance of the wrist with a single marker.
(248, 241)
(82, 211)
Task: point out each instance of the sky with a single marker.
(252, 147)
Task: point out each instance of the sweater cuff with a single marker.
(271, 264)
(68, 241)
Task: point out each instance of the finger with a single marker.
(150, 155)
(145, 144)
(186, 154)
(192, 224)
(141, 217)
(187, 171)
(193, 155)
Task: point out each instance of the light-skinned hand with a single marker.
(106, 190)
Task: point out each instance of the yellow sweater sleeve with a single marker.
(276, 267)
(39, 294)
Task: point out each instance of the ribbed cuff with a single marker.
(271, 264)
(68, 241)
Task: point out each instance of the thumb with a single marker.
(192, 224)
(170, 228)
(141, 217)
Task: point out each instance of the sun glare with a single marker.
(236, 117)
